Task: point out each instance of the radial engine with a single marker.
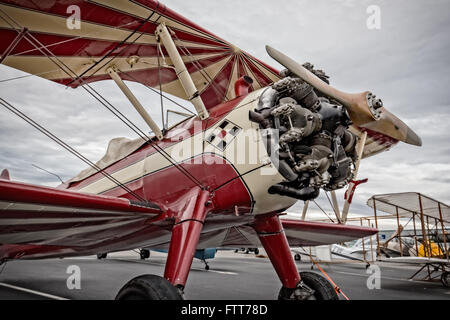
(307, 137)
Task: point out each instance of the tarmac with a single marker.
(232, 276)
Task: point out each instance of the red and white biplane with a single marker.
(260, 141)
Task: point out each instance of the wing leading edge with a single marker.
(112, 33)
(298, 233)
(33, 216)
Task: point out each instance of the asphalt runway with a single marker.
(232, 276)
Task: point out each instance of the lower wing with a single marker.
(41, 222)
(298, 232)
(36, 221)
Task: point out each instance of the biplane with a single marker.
(259, 141)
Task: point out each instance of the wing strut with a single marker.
(351, 186)
(135, 102)
(183, 75)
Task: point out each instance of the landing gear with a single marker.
(149, 287)
(102, 256)
(295, 286)
(312, 287)
(206, 265)
(445, 279)
(184, 240)
(297, 257)
(144, 254)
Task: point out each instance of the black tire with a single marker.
(445, 279)
(256, 251)
(323, 289)
(144, 254)
(297, 257)
(101, 256)
(149, 287)
(206, 267)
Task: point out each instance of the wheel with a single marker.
(236, 251)
(323, 289)
(256, 251)
(206, 267)
(297, 257)
(102, 256)
(144, 254)
(445, 279)
(149, 287)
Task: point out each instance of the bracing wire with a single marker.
(53, 137)
(161, 94)
(111, 108)
(323, 210)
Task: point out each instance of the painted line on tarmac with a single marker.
(42, 294)
(163, 264)
(148, 262)
(367, 275)
(216, 271)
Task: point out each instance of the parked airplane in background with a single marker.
(260, 141)
(200, 254)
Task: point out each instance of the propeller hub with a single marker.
(374, 104)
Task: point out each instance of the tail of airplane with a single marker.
(5, 175)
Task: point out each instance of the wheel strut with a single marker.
(185, 235)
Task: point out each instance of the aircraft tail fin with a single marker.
(5, 175)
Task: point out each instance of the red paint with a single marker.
(222, 134)
(61, 45)
(185, 236)
(380, 138)
(348, 195)
(242, 86)
(184, 130)
(328, 228)
(20, 192)
(5, 175)
(274, 241)
(197, 41)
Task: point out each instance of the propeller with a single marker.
(364, 109)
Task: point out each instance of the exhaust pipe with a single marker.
(304, 194)
(242, 86)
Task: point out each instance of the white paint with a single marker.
(74, 21)
(373, 22)
(374, 280)
(74, 279)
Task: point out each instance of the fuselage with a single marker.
(225, 153)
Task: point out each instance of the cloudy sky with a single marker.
(405, 62)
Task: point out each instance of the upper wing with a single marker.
(375, 142)
(112, 31)
(33, 216)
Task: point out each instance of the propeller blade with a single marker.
(363, 108)
(392, 126)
